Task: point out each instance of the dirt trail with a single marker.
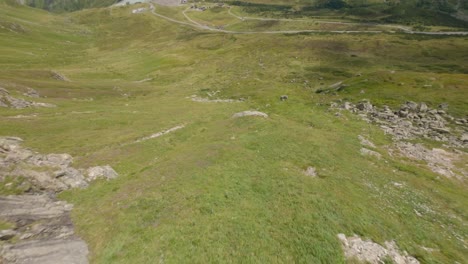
(197, 25)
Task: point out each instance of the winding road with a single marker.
(197, 25)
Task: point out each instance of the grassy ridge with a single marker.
(233, 189)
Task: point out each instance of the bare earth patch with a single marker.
(373, 253)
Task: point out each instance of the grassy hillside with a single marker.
(225, 189)
(68, 5)
(429, 13)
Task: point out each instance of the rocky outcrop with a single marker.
(370, 252)
(6, 100)
(416, 120)
(413, 120)
(45, 172)
(42, 229)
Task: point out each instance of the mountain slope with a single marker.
(423, 12)
(221, 188)
(68, 5)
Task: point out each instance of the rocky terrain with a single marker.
(418, 121)
(414, 120)
(7, 100)
(370, 252)
(41, 229)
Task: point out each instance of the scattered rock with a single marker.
(373, 253)
(59, 77)
(6, 100)
(335, 85)
(311, 172)
(438, 160)
(368, 152)
(366, 142)
(250, 113)
(412, 121)
(50, 173)
(30, 92)
(101, 172)
(364, 106)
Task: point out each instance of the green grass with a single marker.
(224, 189)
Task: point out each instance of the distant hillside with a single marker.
(68, 5)
(421, 12)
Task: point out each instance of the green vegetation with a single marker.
(225, 189)
(68, 5)
(417, 12)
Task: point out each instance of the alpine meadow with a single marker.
(249, 131)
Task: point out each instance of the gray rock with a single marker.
(364, 106)
(368, 152)
(45, 173)
(6, 100)
(423, 107)
(442, 130)
(62, 160)
(403, 113)
(101, 172)
(347, 106)
(464, 137)
(370, 252)
(366, 142)
(7, 234)
(45, 230)
(250, 113)
(55, 251)
(59, 77)
(411, 106)
(30, 92)
(311, 172)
